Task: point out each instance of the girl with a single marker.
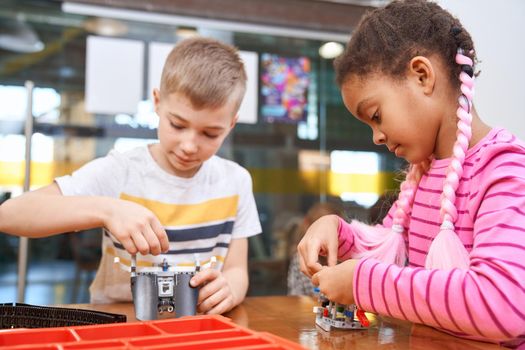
(450, 252)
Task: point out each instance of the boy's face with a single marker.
(400, 116)
(187, 136)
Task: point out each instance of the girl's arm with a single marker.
(484, 302)
(356, 237)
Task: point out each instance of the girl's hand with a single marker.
(319, 239)
(336, 282)
(215, 295)
(135, 227)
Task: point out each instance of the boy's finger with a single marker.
(128, 244)
(140, 242)
(152, 240)
(220, 308)
(203, 276)
(161, 235)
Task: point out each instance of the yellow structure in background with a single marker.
(274, 181)
(42, 173)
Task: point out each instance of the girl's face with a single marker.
(401, 114)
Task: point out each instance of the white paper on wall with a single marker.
(158, 52)
(114, 75)
(249, 106)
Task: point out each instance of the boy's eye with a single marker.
(375, 117)
(176, 126)
(211, 136)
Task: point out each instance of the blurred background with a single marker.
(87, 68)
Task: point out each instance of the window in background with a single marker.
(13, 100)
(356, 176)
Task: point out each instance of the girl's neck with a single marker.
(447, 135)
(479, 128)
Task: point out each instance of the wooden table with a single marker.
(292, 318)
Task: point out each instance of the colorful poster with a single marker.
(284, 88)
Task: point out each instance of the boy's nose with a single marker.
(189, 144)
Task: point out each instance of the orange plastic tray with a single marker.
(192, 332)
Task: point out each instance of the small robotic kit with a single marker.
(164, 290)
(333, 315)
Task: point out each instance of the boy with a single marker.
(171, 199)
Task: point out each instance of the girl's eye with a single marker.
(375, 117)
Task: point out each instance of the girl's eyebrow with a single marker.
(361, 104)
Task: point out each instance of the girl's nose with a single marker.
(378, 137)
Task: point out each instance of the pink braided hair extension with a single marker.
(447, 251)
(448, 210)
(389, 245)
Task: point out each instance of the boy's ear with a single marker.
(156, 99)
(421, 69)
(234, 121)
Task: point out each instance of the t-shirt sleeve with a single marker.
(247, 220)
(100, 177)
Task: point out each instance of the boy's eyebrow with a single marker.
(213, 127)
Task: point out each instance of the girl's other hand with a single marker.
(336, 282)
(319, 239)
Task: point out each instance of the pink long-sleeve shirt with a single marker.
(485, 302)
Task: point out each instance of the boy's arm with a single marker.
(46, 212)
(235, 269)
(222, 290)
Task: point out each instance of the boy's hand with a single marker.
(215, 295)
(136, 228)
(319, 239)
(336, 282)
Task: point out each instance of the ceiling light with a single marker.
(184, 32)
(105, 26)
(18, 36)
(331, 49)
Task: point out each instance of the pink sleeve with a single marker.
(356, 236)
(345, 238)
(485, 302)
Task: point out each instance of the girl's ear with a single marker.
(423, 72)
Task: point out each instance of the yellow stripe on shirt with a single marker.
(189, 214)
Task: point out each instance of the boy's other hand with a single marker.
(336, 282)
(136, 228)
(319, 239)
(215, 295)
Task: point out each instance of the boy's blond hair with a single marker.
(207, 72)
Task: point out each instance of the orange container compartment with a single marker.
(191, 332)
